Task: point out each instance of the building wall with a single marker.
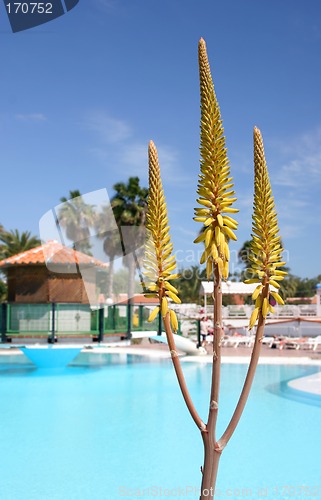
(28, 284)
(68, 288)
(35, 284)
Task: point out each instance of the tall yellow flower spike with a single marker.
(215, 184)
(265, 249)
(159, 263)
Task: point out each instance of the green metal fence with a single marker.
(76, 319)
(43, 320)
(28, 318)
(116, 319)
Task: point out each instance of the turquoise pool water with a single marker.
(121, 430)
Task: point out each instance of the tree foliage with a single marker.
(129, 205)
(291, 286)
(13, 242)
(77, 217)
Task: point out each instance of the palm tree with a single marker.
(14, 242)
(77, 217)
(189, 283)
(129, 205)
(111, 245)
(244, 252)
(290, 286)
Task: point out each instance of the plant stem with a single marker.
(213, 448)
(210, 468)
(180, 375)
(216, 367)
(212, 451)
(248, 381)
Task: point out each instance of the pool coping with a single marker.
(164, 353)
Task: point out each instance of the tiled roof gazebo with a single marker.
(49, 273)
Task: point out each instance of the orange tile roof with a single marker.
(138, 299)
(51, 252)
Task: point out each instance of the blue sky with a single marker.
(82, 96)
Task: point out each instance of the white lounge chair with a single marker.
(269, 341)
(236, 340)
(300, 343)
(314, 343)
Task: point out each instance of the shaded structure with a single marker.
(53, 292)
(51, 273)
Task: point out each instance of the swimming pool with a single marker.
(122, 431)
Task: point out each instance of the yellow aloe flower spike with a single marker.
(266, 250)
(215, 188)
(159, 263)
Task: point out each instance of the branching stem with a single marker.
(180, 375)
(248, 380)
(212, 452)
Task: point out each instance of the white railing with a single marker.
(186, 311)
(287, 311)
(308, 310)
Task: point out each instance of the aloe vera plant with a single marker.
(215, 199)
